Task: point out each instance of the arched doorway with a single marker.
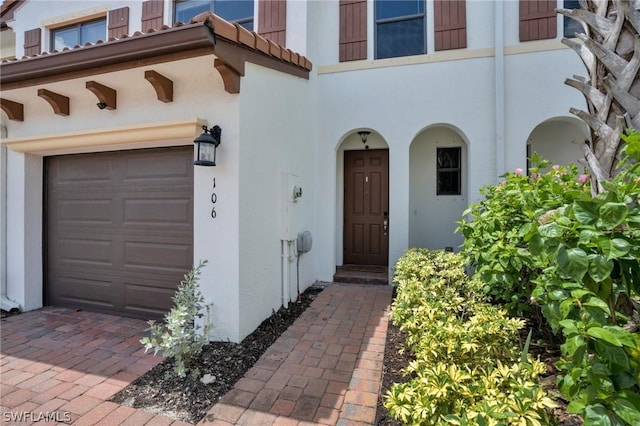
(437, 187)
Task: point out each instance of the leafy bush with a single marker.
(577, 256)
(588, 293)
(497, 230)
(180, 337)
(463, 371)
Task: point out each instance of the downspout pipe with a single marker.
(5, 303)
(500, 153)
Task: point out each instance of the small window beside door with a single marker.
(79, 34)
(448, 171)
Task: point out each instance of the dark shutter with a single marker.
(353, 30)
(450, 18)
(118, 22)
(152, 15)
(537, 19)
(32, 42)
(272, 20)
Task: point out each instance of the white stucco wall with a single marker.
(275, 138)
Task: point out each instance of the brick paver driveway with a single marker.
(63, 365)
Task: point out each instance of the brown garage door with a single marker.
(119, 229)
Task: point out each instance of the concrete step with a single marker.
(361, 274)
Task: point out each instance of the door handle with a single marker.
(385, 223)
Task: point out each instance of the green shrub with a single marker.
(463, 371)
(180, 337)
(588, 293)
(577, 256)
(497, 230)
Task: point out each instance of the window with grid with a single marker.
(240, 11)
(448, 171)
(400, 28)
(79, 34)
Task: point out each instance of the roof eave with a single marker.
(93, 59)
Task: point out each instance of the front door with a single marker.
(366, 207)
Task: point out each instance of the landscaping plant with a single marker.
(467, 367)
(498, 229)
(590, 294)
(577, 257)
(181, 337)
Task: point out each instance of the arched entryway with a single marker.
(438, 193)
(558, 140)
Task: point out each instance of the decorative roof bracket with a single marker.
(14, 110)
(106, 95)
(59, 103)
(161, 84)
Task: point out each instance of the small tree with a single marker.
(180, 337)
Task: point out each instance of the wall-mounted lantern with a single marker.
(364, 134)
(206, 145)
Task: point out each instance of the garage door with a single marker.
(119, 229)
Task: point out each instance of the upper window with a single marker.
(571, 26)
(400, 28)
(449, 176)
(79, 34)
(240, 11)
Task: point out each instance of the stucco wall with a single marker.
(559, 141)
(275, 138)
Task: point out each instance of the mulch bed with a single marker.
(188, 399)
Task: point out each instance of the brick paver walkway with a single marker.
(63, 365)
(325, 369)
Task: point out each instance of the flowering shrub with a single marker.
(499, 229)
(464, 371)
(590, 294)
(577, 256)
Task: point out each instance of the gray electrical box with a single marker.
(304, 242)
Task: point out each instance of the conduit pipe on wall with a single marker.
(499, 87)
(287, 258)
(6, 303)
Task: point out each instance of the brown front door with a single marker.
(366, 207)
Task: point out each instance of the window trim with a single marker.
(399, 19)
(78, 25)
(458, 169)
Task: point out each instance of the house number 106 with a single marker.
(214, 200)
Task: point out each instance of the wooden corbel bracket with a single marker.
(106, 95)
(58, 102)
(230, 76)
(14, 110)
(161, 84)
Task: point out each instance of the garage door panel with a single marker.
(91, 170)
(84, 290)
(119, 229)
(85, 211)
(87, 252)
(154, 212)
(166, 257)
(157, 168)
